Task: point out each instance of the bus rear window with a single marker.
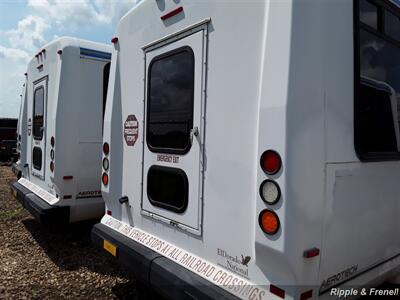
(170, 101)
(168, 188)
(38, 113)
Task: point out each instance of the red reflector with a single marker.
(104, 179)
(277, 291)
(67, 197)
(109, 212)
(306, 295)
(311, 253)
(114, 40)
(271, 162)
(172, 13)
(68, 177)
(106, 148)
(59, 52)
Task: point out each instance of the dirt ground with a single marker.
(45, 263)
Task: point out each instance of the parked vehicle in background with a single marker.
(8, 131)
(61, 131)
(251, 149)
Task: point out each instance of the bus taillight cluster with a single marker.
(270, 191)
(106, 164)
(52, 143)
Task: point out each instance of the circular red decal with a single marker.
(131, 130)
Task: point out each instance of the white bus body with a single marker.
(199, 91)
(61, 144)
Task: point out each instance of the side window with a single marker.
(377, 82)
(38, 113)
(106, 76)
(170, 101)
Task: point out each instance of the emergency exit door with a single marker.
(174, 135)
(39, 128)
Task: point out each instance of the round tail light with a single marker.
(106, 148)
(52, 166)
(271, 162)
(270, 191)
(104, 179)
(106, 164)
(269, 222)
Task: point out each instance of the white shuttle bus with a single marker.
(63, 111)
(252, 147)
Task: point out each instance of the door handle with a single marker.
(194, 132)
(123, 199)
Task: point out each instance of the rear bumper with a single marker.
(40, 209)
(158, 272)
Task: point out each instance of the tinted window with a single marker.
(170, 101)
(369, 13)
(168, 188)
(106, 75)
(38, 113)
(392, 25)
(37, 158)
(377, 94)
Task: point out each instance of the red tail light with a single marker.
(271, 162)
(269, 221)
(109, 212)
(106, 148)
(114, 40)
(104, 179)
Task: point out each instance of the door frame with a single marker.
(165, 41)
(43, 81)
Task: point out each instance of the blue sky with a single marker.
(27, 25)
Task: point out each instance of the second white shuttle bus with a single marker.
(60, 131)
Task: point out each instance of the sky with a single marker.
(27, 25)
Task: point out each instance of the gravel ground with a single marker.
(43, 263)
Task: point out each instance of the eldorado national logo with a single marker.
(234, 263)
